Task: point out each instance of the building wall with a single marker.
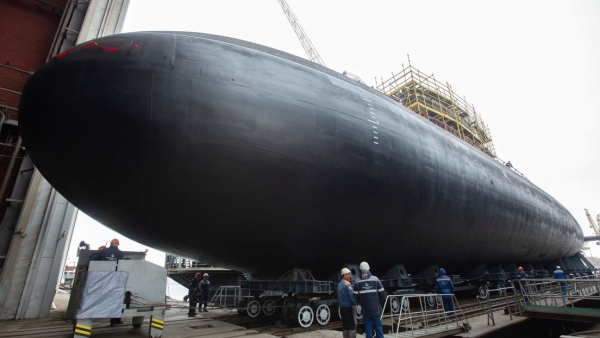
(27, 30)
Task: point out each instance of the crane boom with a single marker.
(592, 224)
(310, 50)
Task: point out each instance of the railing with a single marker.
(176, 262)
(556, 292)
(424, 314)
(489, 306)
(228, 296)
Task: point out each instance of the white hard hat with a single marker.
(558, 267)
(345, 271)
(364, 266)
(205, 275)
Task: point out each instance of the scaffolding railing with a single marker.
(438, 103)
(416, 315)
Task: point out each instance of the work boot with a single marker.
(346, 334)
(191, 315)
(205, 310)
(351, 334)
(118, 321)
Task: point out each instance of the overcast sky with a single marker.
(530, 68)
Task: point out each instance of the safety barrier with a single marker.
(546, 298)
(509, 299)
(422, 315)
(229, 296)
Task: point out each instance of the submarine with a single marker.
(243, 156)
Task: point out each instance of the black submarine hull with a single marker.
(247, 157)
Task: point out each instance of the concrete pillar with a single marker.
(37, 253)
(104, 17)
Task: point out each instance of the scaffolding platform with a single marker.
(438, 103)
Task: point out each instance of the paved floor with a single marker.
(178, 325)
(175, 327)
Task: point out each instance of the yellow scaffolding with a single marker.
(438, 103)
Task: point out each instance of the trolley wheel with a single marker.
(405, 304)
(395, 305)
(288, 311)
(137, 322)
(253, 308)
(359, 313)
(431, 300)
(482, 290)
(305, 316)
(269, 307)
(323, 314)
(501, 291)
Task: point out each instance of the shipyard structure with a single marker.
(36, 220)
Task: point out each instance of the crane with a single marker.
(593, 225)
(310, 50)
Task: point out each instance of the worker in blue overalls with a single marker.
(559, 274)
(444, 286)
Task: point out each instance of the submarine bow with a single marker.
(247, 157)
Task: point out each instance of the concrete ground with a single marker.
(178, 325)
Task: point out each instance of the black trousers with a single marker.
(193, 303)
(203, 299)
(348, 320)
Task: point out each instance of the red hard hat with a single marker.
(115, 241)
(520, 268)
(198, 274)
(101, 248)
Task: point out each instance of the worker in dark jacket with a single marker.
(193, 292)
(205, 290)
(112, 253)
(559, 274)
(520, 275)
(444, 286)
(94, 257)
(345, 293)
(370, 295)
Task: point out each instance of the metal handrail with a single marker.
(489, 308)
(426, 314)
(557, 292)
(222, 295)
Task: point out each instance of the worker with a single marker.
(559, 274)
(83, 246)
(95, 256)
(345, 293)
(205, 290)
(193, 291)
(520, 275)
(370, 295)
(112, 253)
(444, 286)
(508, 164)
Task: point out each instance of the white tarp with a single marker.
(102, 294)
